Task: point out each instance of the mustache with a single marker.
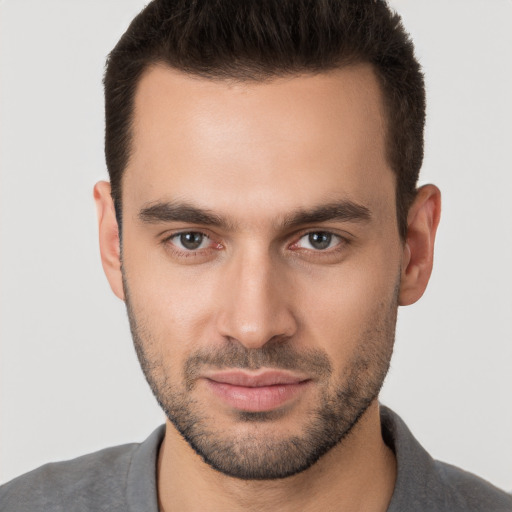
(277, 355)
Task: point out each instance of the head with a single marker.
(263, 159)
(254, 41)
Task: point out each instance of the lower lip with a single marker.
(257, 399)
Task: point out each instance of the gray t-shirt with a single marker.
(123, 479)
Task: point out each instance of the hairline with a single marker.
(219, 75)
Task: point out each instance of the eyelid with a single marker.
(169, 236)
(171, 233)
(342, 240)
(331, 231)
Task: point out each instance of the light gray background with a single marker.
(70, 382)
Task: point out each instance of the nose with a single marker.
(256, 304)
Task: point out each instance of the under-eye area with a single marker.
(202, 246)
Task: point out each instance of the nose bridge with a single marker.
(255, 310)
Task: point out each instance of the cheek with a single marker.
(346, 305)
(172, 304)
(334, 305)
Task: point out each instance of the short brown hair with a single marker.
(262, 39)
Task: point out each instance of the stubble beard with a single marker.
(343, 399)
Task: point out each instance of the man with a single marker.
(262, 224)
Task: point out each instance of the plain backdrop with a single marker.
(70, 381)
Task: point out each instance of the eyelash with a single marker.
(341, 241)
(184, 253)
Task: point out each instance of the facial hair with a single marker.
(343, 399)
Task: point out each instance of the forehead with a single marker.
(281, 144)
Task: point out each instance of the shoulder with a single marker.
(425, 484)
(465, 491)
(80, 484)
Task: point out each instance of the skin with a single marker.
(254, 154)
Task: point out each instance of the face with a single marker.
(261, 261)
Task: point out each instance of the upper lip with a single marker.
(253, 380)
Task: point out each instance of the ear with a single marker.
(109, 237)
(418, 256)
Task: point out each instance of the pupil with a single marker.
(320, 240)
(191, 240)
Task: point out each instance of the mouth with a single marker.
(256, 392)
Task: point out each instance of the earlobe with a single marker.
(418, 256)
(109, 237)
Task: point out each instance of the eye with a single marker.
(318, 241)
(190, 240)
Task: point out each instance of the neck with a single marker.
(358, 474)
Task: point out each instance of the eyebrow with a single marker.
(180, 212)
(344, 211)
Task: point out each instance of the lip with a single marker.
(256, 379)
(256, 392)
